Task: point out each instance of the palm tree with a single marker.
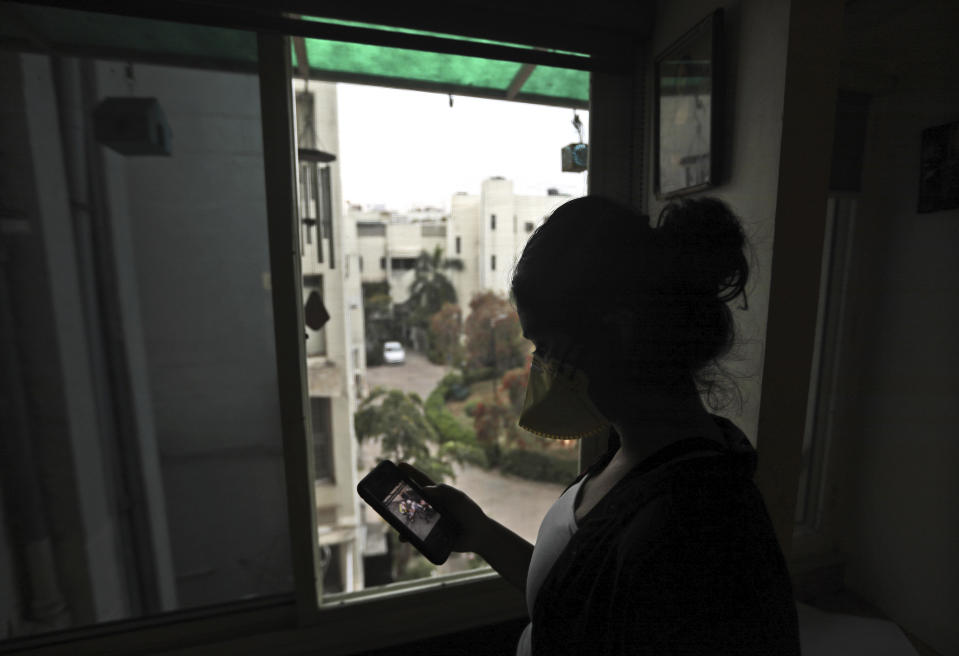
(430, 288)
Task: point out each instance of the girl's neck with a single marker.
(650, 422)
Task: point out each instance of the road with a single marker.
(417, 375)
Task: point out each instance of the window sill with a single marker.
(347, 623)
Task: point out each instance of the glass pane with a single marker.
(142, 465)
(453, 374)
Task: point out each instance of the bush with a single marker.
(477, 374)
(470, 408)
(494, 454)
(458, 392)
(462, 452)
(445, 423)
(536, 466)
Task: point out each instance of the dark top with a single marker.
(679, 559)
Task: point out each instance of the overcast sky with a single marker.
(406, 149)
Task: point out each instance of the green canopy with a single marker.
(110, 36)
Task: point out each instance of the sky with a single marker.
(404, 149)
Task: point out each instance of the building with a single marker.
(331, 266)
(488, 231)
(485, 231)
(390, 242)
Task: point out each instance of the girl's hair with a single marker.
(597, 270)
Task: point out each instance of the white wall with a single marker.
(465, 224)
(470, 221)
(898, 487)
(756, 36)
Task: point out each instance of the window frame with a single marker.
(814, 538)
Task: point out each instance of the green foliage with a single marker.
(430, 288)
(464, 452)
(489, 420)
(514, 384)
(538, 466)
(445, 328)
(446, 425)
(452, 379)
(494, 453)
(477, 374)
(399, 420)
(494, 337)
(470, 408)
(458, 393)
(457, 442)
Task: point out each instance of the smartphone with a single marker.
(400, 501)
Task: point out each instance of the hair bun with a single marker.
(707, 241)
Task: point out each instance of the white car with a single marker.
(393, 353)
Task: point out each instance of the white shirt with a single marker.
(557, 528)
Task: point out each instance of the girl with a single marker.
(664, 545)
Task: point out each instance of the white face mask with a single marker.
(557, 404)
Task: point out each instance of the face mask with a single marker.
(557, 405)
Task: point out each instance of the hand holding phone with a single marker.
(469, 517)
(400, 500)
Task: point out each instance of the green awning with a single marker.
(129, 38)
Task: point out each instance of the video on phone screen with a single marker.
(412, 509)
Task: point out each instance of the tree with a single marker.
(513, 387)
(494, 337)
(514, 383)
(446, 327)
(430, 288)
(398, 419)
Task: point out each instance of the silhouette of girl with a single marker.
(664, 545)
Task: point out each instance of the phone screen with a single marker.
(408, 506)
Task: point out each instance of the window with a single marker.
(148, 371)
(361, 264)
(492, 222)
(370, 229)
(383, 263)
(492, 262)
(403, 263)
(458, 246)
(529, 226)
(315, 204)
(326, 215)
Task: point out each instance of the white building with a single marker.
(390, 242)
(336, 357)
(488, 232)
